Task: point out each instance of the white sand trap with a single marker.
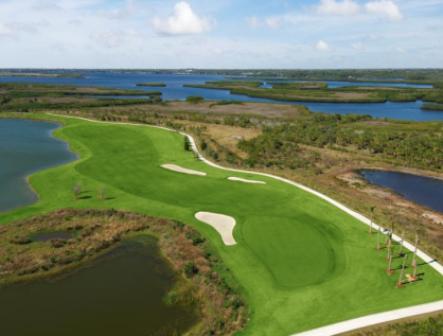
(222, 223)
(238, 179)
(182, 170)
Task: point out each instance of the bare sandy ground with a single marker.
(222, 223)
(182, 170)
(238, 179)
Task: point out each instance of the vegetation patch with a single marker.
(152, 84)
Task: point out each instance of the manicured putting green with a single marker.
(301, 262)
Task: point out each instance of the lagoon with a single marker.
(419, 189)
(26, 147)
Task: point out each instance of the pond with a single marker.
(121, 293)
(26, 147)
(419, 189)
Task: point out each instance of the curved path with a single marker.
(340, 327)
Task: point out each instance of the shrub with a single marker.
(195, 99)
(191, 269)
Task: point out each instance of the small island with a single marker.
(151, 84)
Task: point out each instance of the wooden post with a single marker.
(400, 278)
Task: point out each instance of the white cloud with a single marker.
(322, 46)
(334, 7)
(274, 22)
(253, 22)
(386, 8)
(358, 46)
(183, 21)
(4, 30)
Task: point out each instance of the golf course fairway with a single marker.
(301, 262)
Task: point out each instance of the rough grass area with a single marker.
(301, 262)
(221, 309)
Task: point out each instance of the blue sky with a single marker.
(221, 34)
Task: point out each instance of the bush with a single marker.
(191, 269)
(194, 99)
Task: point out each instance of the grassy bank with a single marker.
(298, 259)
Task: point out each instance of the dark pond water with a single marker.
(419, 189)
(50, 235)
(26, 147)
(122, 293)
(175, 90)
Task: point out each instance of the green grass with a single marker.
(301, 262)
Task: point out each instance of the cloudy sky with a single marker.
(221, 33)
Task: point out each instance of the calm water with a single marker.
(340, 84)
(174, 90)
(400, 111)
(422, 190)
(26, 147)
(122, 293)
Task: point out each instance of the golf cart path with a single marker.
(340, 327)
(365, 321)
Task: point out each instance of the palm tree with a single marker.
(414, 259)
(400, 278)
(372, 209)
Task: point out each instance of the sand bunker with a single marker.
(238, 179)
(222, 223)
(182, 170)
